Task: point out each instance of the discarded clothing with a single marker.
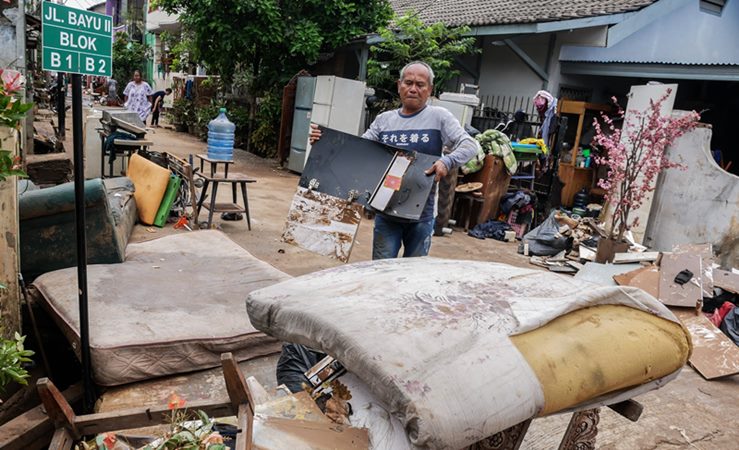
(490, 229)
(109, 146)
(730, 325)
(496, 143)
(515, 200)
(719, 313)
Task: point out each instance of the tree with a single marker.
(635, 156)
(128, 55)
(275, 38)
(409, 39)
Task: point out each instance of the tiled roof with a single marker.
(496, 12)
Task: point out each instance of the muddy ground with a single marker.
(689, 413)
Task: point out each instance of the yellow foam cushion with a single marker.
(150, 181)
(593, 351)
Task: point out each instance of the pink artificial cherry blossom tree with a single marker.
(636, 159)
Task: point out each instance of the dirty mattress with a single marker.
(460, 350)
(173, 306)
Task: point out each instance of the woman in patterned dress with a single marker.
(137, 96)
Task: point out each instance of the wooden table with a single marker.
(214, 180)
(213, 163)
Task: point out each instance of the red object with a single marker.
(393, 182)
(718, 315)
(181, 223)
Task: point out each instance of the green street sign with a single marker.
(76, 41)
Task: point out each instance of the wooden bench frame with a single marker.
(581, 431)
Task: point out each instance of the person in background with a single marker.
(112, 92)
(137, 96)
(424, 128)
(158, 98)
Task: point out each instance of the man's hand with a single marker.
(439, 168)
(314, 134)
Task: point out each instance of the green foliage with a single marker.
(9, 166)
(12, 111)
(261, 44)
(128, 55)
(12, 357)
(182, 111)
(181, 50)
(267, 124)
(410, 39)
(276, 37)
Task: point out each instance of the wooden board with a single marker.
(714, 354)
(622, 258)
(726, 280)
(322, 224)
(29, 430)
(673, 294)
(706, 253)
(151, 182)
(645, 278)
(10, 305)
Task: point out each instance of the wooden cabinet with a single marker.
(578, 134)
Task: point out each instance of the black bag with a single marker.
(294, 361)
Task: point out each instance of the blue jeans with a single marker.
(389, 235)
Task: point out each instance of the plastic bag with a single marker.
(545, 239)
(294, 361)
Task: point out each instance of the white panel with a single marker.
(324, 89)
(321, 114)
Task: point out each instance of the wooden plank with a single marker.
(144, 417)
(271, 433)
(10, 305)
(25, 431)
(245, 422)
(673, 294)
(322, 224)
(645, 278)
(241, 400)
(714, 354)
(726, 280)
(59, 410)
(62, 440)
(706, 253)
(622, 258)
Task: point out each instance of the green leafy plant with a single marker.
(409, 39)
(10, 165)
(270, 41)
(12, 109)
(128, 55)
(12, 357)
(182, 111)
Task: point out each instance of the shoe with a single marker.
(231, 216)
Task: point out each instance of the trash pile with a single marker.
(563, 243)
(698, 291)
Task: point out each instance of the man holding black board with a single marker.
(426, 129)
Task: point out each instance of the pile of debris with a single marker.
(698, 291)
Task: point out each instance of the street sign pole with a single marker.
(78, 42)
(61, 94)
(79, 202)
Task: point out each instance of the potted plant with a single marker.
(634, 160)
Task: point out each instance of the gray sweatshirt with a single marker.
(426, 131)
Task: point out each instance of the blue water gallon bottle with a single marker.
(221, 137)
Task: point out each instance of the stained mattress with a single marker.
(173, 306)
(459, 350)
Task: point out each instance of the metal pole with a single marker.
(79, 201)
(61, 93)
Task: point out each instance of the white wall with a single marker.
(697, 205)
